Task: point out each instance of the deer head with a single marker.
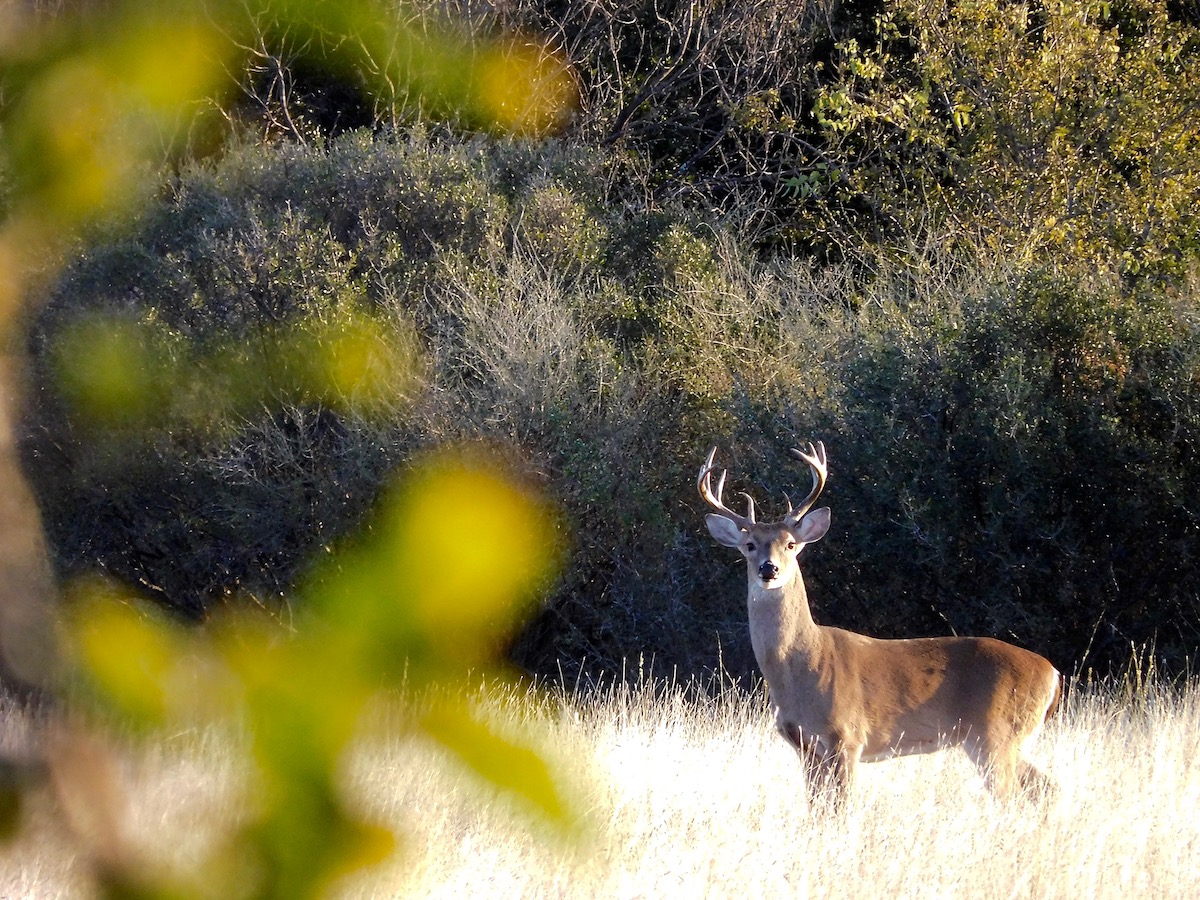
(771, 549)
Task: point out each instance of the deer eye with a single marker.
(791, 545)
(750, 546)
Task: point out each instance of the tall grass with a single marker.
(702, 799)
(680, 794)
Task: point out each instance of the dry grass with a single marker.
(699, 798)
(703, 800)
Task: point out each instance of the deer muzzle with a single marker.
(768, 571)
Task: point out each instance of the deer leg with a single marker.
(999, 756)
(995, 764)
(843, 762)
(828, 766)
(1005, 771)
(829, 763)
(810, 751)
(1033, 781)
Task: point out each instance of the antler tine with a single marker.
(749, 507)
(704, 486)
(815, 457)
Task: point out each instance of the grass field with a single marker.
(684, 796)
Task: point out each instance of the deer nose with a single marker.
(768, 570)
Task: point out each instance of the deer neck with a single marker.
(781, 624)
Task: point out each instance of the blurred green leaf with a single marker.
(507, 766)
(111, 372)
(445, 572)
(133, 658)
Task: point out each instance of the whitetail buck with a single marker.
(843, 697)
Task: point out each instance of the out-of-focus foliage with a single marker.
(89, 103)
(93, 101)
(93, 106)
(423, 598)
(143, 375)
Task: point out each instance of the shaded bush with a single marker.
(1023, 470)
(1010, 448)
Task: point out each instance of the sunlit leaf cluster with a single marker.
(95, 101)
(1065, 131)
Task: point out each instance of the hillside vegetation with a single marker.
(957, 243)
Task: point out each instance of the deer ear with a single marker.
(723, 530)
(813, 526)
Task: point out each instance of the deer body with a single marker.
(843, 697)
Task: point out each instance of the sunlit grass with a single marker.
(680, 796)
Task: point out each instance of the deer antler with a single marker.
(704, 485)
(815, 457)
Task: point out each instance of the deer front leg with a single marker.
(831, 768)
(829, 765)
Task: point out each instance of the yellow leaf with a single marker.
(526, 88)
(129, 656)
(505, 765)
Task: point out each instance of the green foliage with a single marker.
(1064, 130)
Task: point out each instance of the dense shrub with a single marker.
(1022, 469)
(1010, 447)
(1060, 130)
(956, 242)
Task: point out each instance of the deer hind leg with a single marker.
(1005, 770)
(996, 761)
(1034, 782)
